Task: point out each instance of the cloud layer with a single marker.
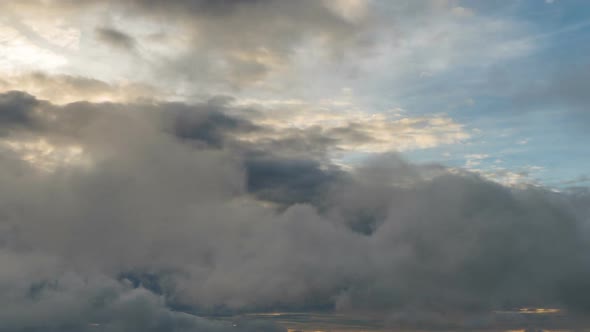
(188, 165)
(169, 197)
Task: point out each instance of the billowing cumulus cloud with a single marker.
(172, 210)
(42, 296)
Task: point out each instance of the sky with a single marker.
(200, 165)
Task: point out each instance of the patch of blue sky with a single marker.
(522, 108)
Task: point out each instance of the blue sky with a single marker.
(509, 78)
(524, 122)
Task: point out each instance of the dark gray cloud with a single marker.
(16, 109)
(288, 181)
(188, 222)
(194, 7)
(115, 38)
(207, 123)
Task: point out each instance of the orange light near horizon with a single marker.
(539, 310)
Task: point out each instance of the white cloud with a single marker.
(63, 89)
(355, 130)
(17, 53)
(352, 10)
(473, 160)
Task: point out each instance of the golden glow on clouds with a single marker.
(539, 310)
(45, 53)
(357, 131)
(63, 89)
(56, 31)
(45, 156)
(494, 171)
(532, 311)
(17, 53)
(351, 10)
(253, 66)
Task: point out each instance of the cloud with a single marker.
(63, 89)
(16, 110)
(288, 181)
(301, 49)
(191, 213)
(345, 130)
(297, 132)
(149, 205)
(40, 295)
(244, 52)
(207, 123)
(115, 38)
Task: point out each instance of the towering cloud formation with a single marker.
(165, 207)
